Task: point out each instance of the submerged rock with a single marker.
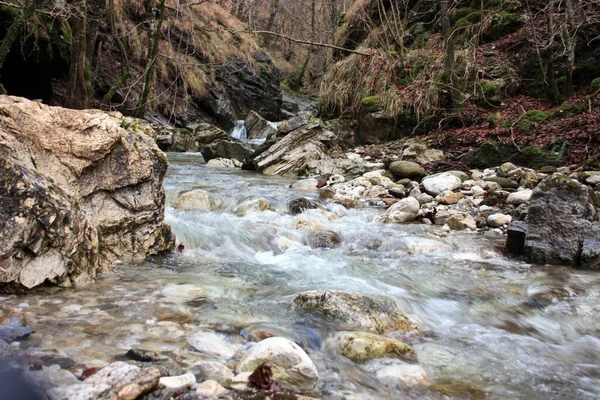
(403, 375)
(301, 204)
(362, 346)
(194, 200)
(373, 313)
(79, 191)
(292, 367)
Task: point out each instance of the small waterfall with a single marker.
(239, 132)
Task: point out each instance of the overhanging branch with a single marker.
(291, 39)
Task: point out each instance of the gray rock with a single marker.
(373, 313)
(308, 184)
(258, 127)
(498, 220)
(590, 252)
(402, 375)
(407, 169)
(210, 370)
(505, 169)
(505, 183)
(52, 376)
(560, 214)
(292, 154)
(421, 153)
(300, 119)
(515, 237)
(228, 148)
(301, 204)
(292, 367)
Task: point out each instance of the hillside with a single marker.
(466, 72)
(205, 68)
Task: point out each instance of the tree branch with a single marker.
(291, 39)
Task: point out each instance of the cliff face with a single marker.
(207, 68)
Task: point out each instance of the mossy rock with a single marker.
(458, 390)
(490, 154)
(527, 122)
(490, 94)
(593, 161)
(472, 17)
(534, 157)
(370, 104)
(595, 84)
(504, 23)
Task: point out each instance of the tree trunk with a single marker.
(78, 90)
(95, 13)
(271, 21)
(449, 43)
(298, 81)
(152, 55)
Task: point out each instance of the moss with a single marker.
(595, 84)
(370, 104)
(532, 151)
(569, 110)
(561, 182)
(532, 117)
(471, 18)
(593, 161)
(343, 18)
(504, 23)
(492, 120)
(490, 94)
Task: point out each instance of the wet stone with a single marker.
(142, 355)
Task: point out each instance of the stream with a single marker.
(492, 328)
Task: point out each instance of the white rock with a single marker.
(438, 184)
(404, 374)
(461, 221)
(593, 180)
(197, 200)
(223, 163)
(210, 370)
(405, 210)
(176, 382)
(476, 174)
(518, 198)
(212, 344)
(498, 220)
(333, 179)
(210, 390)
(292, 367)
(240, 381)
(52, 376)
(373, 174)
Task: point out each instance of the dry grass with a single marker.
(194, 38)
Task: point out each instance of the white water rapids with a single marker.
(241, 271)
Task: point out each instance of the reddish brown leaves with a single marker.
(262, 378)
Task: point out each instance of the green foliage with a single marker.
(471, 18)
(595, 84)
(492, 120)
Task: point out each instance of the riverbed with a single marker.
(494, 327)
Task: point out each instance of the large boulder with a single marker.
(292, 367)
(562, 215)
(373, 313)
(246, 88)
(79, 192)
(378, 127)
(228, 148)
(292, 154)
(420, 152)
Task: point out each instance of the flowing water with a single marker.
(489, 329)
